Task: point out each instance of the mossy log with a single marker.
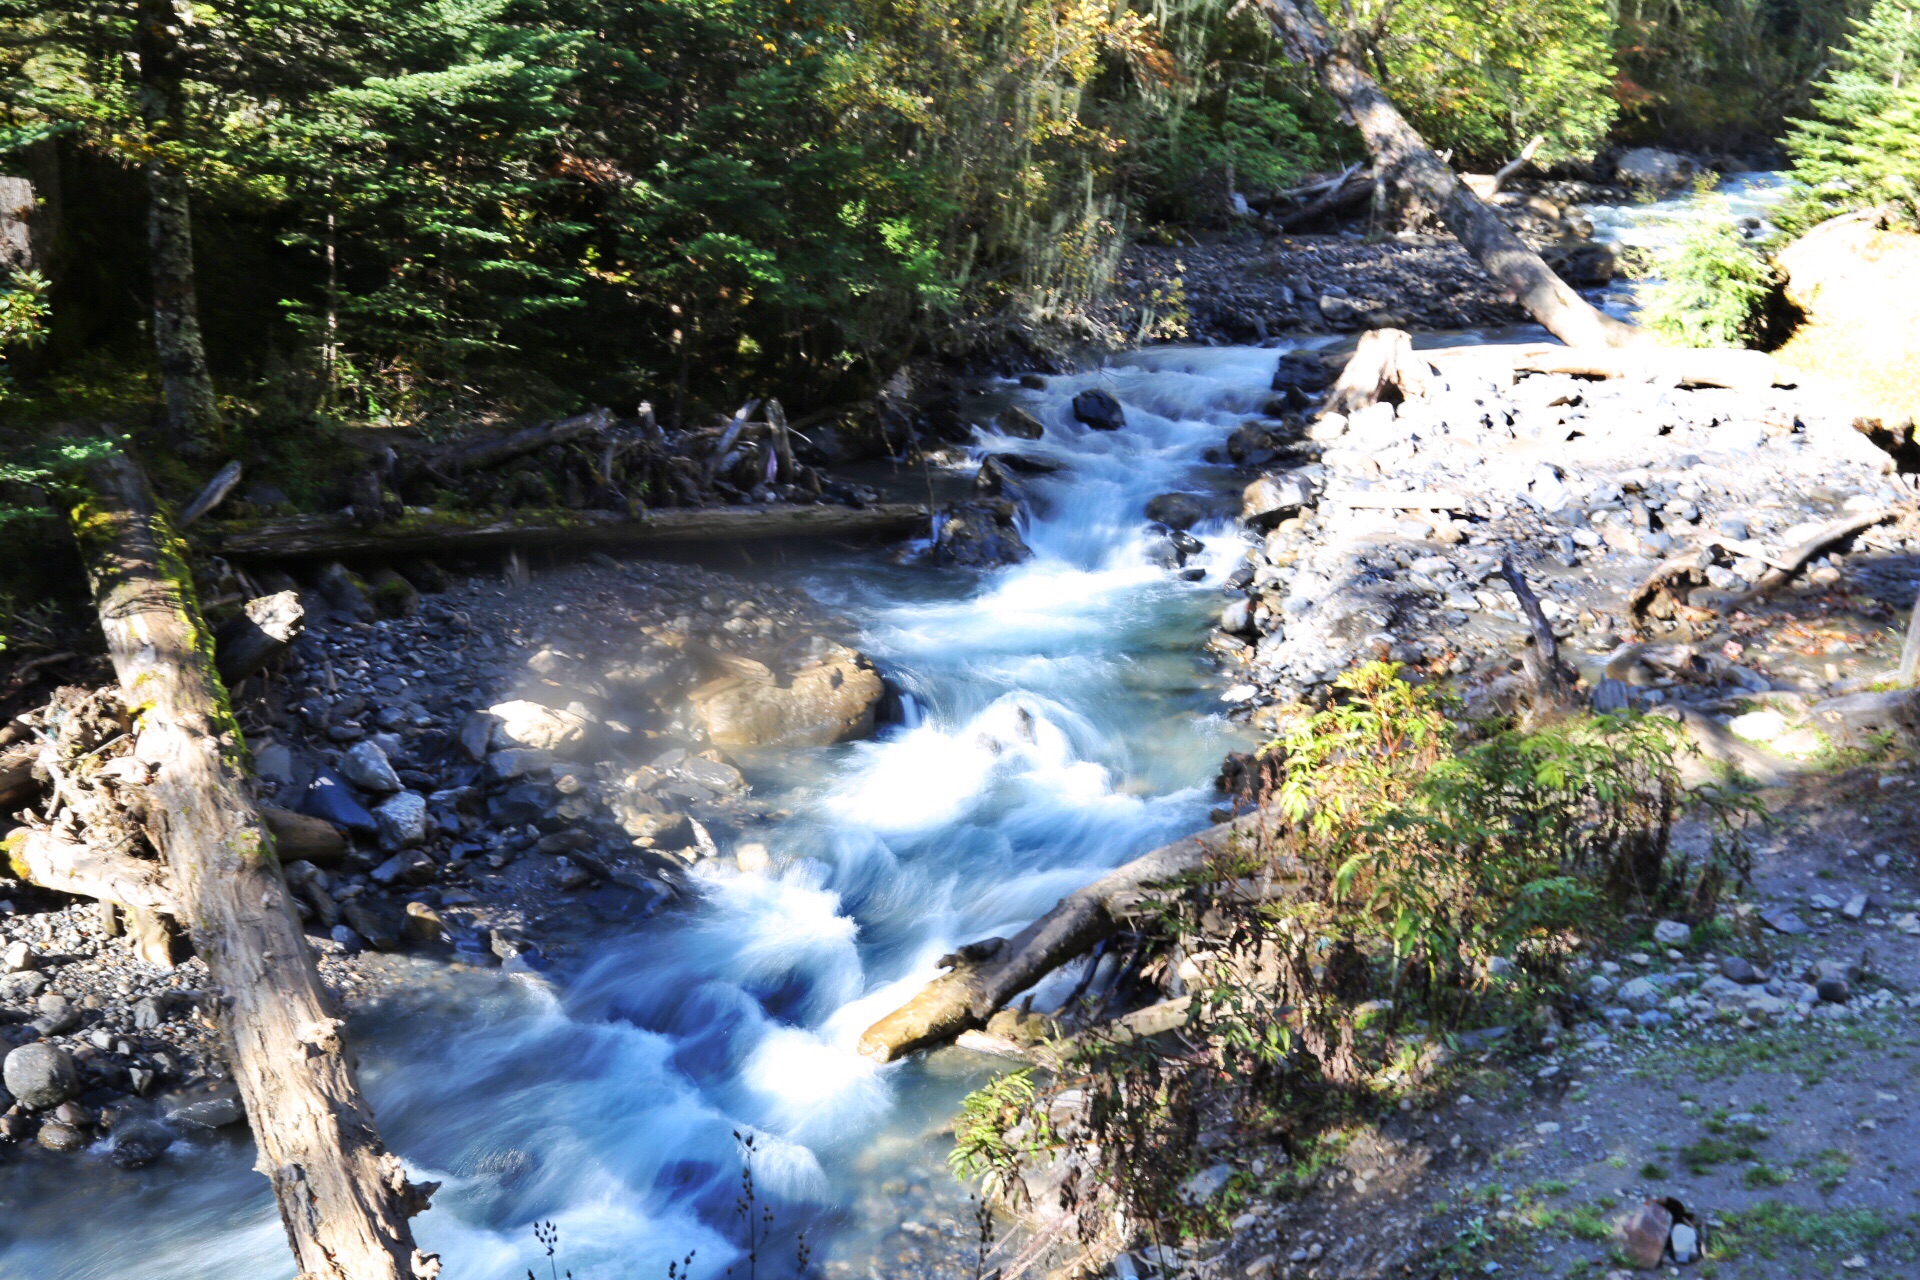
(298, 537)
(983, 976)
(343, 1198)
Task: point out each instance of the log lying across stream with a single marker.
(344, 1199)
(296, 537)
(985, 975)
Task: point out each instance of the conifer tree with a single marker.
(1861, 148)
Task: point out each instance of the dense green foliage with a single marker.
(1711, 289)
(1860, 147)
(1722, 73)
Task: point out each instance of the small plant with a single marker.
(1655, 1172)
(548, 1235)
(1711, 289)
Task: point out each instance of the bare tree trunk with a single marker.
(1401, 155)
(187, 389)
(344, 1200)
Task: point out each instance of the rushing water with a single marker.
(1064, 725)
(1747, 198)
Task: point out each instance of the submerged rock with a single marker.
(1099, 410)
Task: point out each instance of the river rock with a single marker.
(1672, 933)
(328, 798)
(402, 820)
(41, 1076)
(137, 1143)
(1271, 499)
(832, 700)
(519, 762)
(58, 1135)
(376, 925)
(1017, 422)
(19, 958)
(407, 867)
(1177, 510)
(521, 723)
(978, 535)
(476, 732)
(300, 837)
(366, 766)
(1653, 169)
(1099, 410)
(216, 1112)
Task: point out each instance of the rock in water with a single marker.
(57, 1135)
(1177, 510)
(978, 535)
(41, 1076)
(139, 1142)
(832, 700)
(1098, 410)
(1017, 422)
(216, 1112)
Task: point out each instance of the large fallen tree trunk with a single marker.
(986, 975)
(1402, 156)
(343, 1198)
(1687, 367)
(296, 537)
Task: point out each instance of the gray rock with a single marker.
(476, 729)
(713, 775)
(379, 927)
(1177, 510)
(1781, 920)
(1672, 933)
(978, 535)
(1099, 410)
(347, 940)
(1237, 618)
(835, 697)
(407, 867)
(1653, 169)
(1833, 991)
(518, 762)
(366, 766)
(658, 830)
(1206, 1184)
(528, 724)
(58, 1135)
(20, 987)
(148, 1013)
(1639, 994)
(19, 958)
(41, 1076)
(1855, 907)
(402, 820)
(1271, 499)
(208, 1113)
(273, 763)
(139, 1142)
(1737, 969)
(1018, 422)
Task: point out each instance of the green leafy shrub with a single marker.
(1710, 290)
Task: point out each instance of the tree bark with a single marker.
(343, 1198)
(68, 866)
(477, 455)
(1401, 155)
(985, 975)
(1383, 360)
(317, 536)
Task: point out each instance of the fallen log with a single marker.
(1344, 195)
(1402, 156)
(343, 1198)
(297, 537)
(68, 866)
(259, 633)
(985, 975)
(1686, 367)
(1781, 573)
(478, 455)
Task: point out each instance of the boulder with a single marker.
(978, 535)
(1672, 933)
(329, 798)
(1302, 371)
(521, 723)
(519, 762)
(668, 831)
(1017, 422)
(1177, 510)
(834, 699)
(1271, 499)
(216, 1112)
(1858, 286)
(1653, 169)
(1098, 410)
(41, 1076)
(408, 867)
(366, 766)
(139, 1142)
(402, 820)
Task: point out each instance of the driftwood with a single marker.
(69, 866)
(343, 1199)
(1780, 573)
(477, 455)
(1401, 156)
(1343, 195)
(316, 536)
(1678, 572)
(985, 975)
(1704, 367)
(1384, 365)
(1487, 186)
(258, 634)
(213, 494)
(1552, 682)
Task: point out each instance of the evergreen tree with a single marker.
(1861, 147)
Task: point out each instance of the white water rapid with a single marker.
(1064, 725)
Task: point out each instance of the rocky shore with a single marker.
(500, 771)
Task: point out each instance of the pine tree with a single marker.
(1861, 148)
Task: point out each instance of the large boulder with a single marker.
(978, 535)
(1271, 499)
(833, 699)
(41, 1076)
(1653, 169)
(1177, 510)
(1860, 719)
(1098, 410)
(1017, 422)
(1858, 286)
